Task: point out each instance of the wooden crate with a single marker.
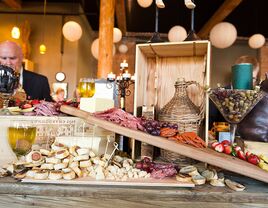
(158, 65)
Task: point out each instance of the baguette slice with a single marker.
(69, 176)
(198, 180)
(234, 185)
(190, 170)
(217, 182)
(55, 175)
(41, 175)
(185, 178)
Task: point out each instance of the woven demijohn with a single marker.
(181, 110)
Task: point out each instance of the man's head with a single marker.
(11, 55)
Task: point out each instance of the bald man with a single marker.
(36, 86)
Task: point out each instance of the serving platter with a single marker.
(148, 182)
(206, 155)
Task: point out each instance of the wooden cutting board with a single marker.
(202, 154)
(149, 182)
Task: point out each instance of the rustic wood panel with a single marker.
(263, 54)
(13, 4)
(202, 154)
(15, 201)
(120, 11)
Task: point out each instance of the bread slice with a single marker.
(198, 180)
(185, 178)
(234, 185)
(190, 170)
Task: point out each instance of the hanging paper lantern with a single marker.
(223, 35)
(72, 31)
(256, 41)
(145, 3)
(95, 48)
(123, 48)
(117, 36)
(177, 34)
(15, 32)
(42, 49)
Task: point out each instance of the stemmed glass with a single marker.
(235, 104)
(9, 82)
(21, 136)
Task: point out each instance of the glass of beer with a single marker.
(86, 87)
(21, 136)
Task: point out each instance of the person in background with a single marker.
(36, 86)
(59, 95)
(214, 113)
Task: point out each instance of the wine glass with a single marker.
(235, 104)
(9, 82)
(86, 87)
(21, 136)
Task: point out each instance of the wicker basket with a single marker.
(181, 110)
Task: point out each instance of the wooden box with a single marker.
(158, 65)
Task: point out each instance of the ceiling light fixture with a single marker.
(42, 47)
(60, 76)
(72, 31)
(15, 32)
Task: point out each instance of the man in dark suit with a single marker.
(36, 86)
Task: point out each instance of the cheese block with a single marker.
(92, 105)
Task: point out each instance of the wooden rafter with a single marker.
(13, 4)
(120, 12)
(225, 9)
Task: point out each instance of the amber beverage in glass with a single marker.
(86, 87)
(21, 138)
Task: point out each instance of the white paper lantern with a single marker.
(256, 41)
(123, 48)
(177, 34)
(223, 35)
(95, 48)
(117, 36)
(145, 3)
(72, 31)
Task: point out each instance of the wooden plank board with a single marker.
(148, 182)
(205, 154)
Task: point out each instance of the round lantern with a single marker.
(95, 48)
(72, 31)
(177, 34)
(117, 36)
(223, 35)
(145, 3)
(256, 41)
(123, 48)
(42, 49)
(15, 32)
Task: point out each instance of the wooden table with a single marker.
(17, 194)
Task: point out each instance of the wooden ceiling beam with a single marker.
(13, 4)
(120, 12)
(224, 10)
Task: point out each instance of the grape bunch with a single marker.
(153, 127)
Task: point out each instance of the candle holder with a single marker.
(123, 81)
